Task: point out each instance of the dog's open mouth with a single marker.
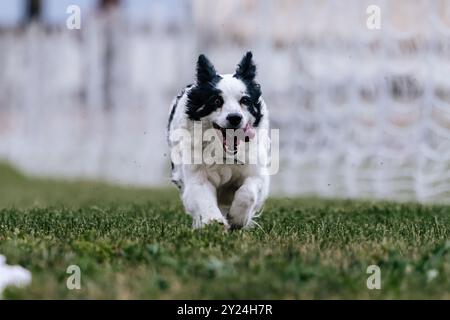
(231, 137)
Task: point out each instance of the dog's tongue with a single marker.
(235, 138)
(249, 131)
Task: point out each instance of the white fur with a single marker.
(230, 194)
(232, 90)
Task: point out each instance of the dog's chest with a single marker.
(220, 175)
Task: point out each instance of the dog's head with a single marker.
(228, 102)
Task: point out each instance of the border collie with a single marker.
(230, 192)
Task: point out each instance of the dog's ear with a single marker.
(246, 69)
(205, 70)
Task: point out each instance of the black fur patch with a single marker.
(246, 72)
(175, 104)
(205, 70)
(203, 97)
(201, 101)
(246, 69)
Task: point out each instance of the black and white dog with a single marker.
(230, 106)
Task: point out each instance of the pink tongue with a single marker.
(249, 131)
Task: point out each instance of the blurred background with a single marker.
(362, 113)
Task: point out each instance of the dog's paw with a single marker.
(200, 223)
(239, 222)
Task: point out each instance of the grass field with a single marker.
(137, 243)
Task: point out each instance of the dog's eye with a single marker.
(217, 101)
(245, 100)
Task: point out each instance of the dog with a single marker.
(229, 105)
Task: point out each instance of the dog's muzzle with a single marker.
(232, 137)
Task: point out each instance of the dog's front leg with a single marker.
(247, 200)
(200, 200)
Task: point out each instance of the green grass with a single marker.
(137, 243)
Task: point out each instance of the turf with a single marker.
(137, 243)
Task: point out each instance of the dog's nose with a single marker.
(234, 119)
